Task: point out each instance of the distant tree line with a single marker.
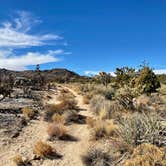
(144, 78)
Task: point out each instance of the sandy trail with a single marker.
(36, 130)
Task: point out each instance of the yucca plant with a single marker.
(143, 128)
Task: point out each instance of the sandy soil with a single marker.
(36, 130)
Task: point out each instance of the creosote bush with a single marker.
(28, 112)
(57, 131)
(42, 149)
(147, 155)
(147, 81)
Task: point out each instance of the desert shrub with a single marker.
(147, 81)
(57, 131)
(101, 129)
(104, 78)
(90, 122)
(42, 149)
(109, 94)
(97, 157)
(66, 96)
(85, 88)
(28, 112)
(57, 118)
(100, 106)
(147, 155)
(51, 109)
(110, 128)
(98, 132)
(60, 108)
(70, 116)
(87, 98)
(18, 160)
(124, 75)
(142, 128)
(67, 104)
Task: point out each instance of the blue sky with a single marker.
(85, 36)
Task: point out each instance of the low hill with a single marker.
(49, 75)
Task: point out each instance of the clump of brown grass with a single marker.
(57, 131)
(18, 160)
(42, 149)
(102, 129)
(110, 128)
(68, 104)
(50, 110)
(147, 155)
(28, 112)
(100, 106)
(90, 122)
(87, 98)
(57, 118)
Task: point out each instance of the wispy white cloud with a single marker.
(13, 62)
(15, 34)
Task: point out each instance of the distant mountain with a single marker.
(49, 75)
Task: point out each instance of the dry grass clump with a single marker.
(142, 128)
(60, 108)
(67, 104)
(18, 160)
(147, 155)
(28, 112)
(42, 149)
(90, 122)
(57, 131)
(97, 157)
(110, 128)
(100, 106)
(57, 118)
(87, 98)
(100, 129)
(51, 109)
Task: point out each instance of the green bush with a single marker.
(147, 81)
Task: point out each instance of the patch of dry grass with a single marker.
(87, 98)
(57, 131)
(28, 112)
(90, 122)
(100, 106)
(42, 149)
(100, 129)
(58, 119)
(147, 155)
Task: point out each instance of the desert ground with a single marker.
(91, 123)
